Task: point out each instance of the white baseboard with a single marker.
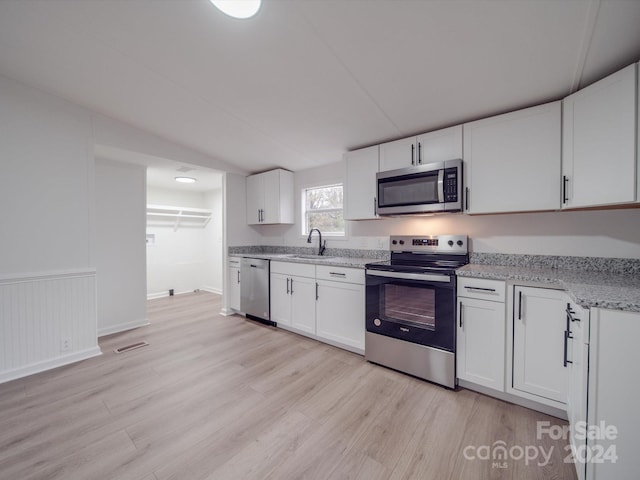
(49, 364)
(215, 290)
(226, 312)
(121, 327)
(152, 296)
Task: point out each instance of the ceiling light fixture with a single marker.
(185, 179)
(238, 8)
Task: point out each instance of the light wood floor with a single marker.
(217, 397)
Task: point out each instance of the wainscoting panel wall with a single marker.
(46, 320)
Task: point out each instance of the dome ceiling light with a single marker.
(238, 8)
(185, 179)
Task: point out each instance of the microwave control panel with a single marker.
(451, 185)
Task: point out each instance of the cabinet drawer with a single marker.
(340, 274)
(297, 269)
(234, 262)
(481, 288)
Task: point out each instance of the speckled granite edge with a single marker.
(596, 264)
(611, 290)
(377, 255)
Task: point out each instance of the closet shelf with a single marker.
(178, 216)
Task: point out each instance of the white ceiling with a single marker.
(306, 80)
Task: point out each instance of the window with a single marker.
(322, 209)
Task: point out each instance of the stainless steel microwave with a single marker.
(433, 187)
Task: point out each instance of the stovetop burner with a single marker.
(429, 254)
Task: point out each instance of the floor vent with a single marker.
(133, 346)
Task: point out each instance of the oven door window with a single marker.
(408, 304)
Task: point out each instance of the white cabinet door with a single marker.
(614, 394)
(512, 161)
(361, 185)
(539, 322)
(303, 304)
(340, 313)
(441, 145)
(255, 197)
(233, 284)
(280, 299)
(481, 342)
(270, 197)
(599, 164)
(578, 358)
(398, 154)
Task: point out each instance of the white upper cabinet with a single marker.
(441, 145)
(360, 191)
(599, 156)
(512, 161)
(270, 197)
(445, 144)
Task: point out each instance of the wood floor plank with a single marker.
(215, 397)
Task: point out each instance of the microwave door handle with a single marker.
(441, 186)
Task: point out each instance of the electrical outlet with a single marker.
(65, 344)
(380, 243)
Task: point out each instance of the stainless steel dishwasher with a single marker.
(254, 289)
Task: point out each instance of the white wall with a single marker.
(214, 253)
(49, 235)
(120, 252)
(605, 233)
(190, 257)
(47, 283)
(46, 184)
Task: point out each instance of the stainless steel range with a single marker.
(411, 306)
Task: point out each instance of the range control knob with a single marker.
(401, 242)
(459, 242)
(377, 322)
(394, 242)
(450, 242)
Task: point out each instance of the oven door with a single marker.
(418, 308)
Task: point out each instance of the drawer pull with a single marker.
(482, 289)
(337, 274)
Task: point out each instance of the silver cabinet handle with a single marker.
(375, 206)
(317, 291)
(292, 286)
(287, 286)
(413, 150)
(337, 274)
(461, 321)
(238, 276)
(419, 153)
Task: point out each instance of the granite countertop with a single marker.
(588, 288)
(334, 261)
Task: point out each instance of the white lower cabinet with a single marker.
(320, 301)
(578, 365)
(233, 283)
(293, 296)
(340, 313)
(614, 395)
(481, 338)
(539, 322)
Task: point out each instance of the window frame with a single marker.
(303, 210)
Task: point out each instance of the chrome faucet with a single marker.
(321, 246)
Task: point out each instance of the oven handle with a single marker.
(441, 186)
(410, 276)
